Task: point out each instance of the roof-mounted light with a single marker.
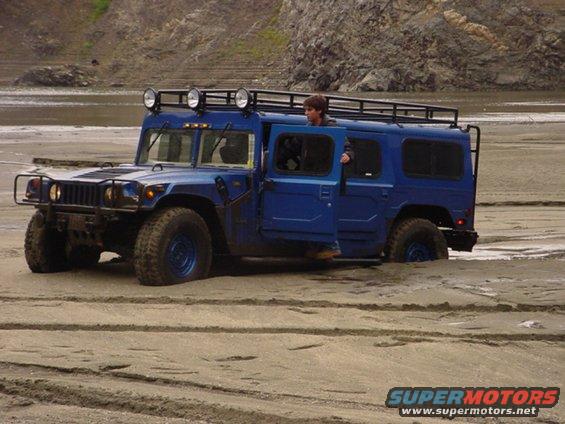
(242, 99)
(195, 99)
(150, 99)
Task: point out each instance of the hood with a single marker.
(146, 176)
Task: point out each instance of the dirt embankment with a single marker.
(394, 45)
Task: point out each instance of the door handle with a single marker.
(268, 184)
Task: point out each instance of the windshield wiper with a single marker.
(159, 134)
(220, 138)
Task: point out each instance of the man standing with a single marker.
(315, 109)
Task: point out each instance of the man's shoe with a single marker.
(327, 254)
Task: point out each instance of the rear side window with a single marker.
(367, 162)
(307, 154)
(435, 159)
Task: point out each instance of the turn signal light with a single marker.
(151, 192)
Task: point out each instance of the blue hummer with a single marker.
(213, 177)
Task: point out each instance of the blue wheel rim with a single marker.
(181, 255)
(418, 252)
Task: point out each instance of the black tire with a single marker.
(44, 247)
(415, 240)
(158, 259)
(83, 256)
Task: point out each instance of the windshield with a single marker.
(234, 149)
(167, 146)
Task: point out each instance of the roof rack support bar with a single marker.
(347, 107)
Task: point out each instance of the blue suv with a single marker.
(213, 177)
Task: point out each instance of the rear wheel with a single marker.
(173, 246)
(416, 240)
(44, 246)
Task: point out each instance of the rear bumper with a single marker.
(461, 240)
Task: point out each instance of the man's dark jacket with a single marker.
(328, 121)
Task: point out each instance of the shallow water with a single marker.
(115, 116)
(116, 107)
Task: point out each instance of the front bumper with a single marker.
(461, 240)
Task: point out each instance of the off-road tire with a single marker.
(44, 247)
(83, 256)
(150, 253)
(415, 230)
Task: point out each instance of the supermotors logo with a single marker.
(471, 401)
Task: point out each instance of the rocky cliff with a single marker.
(394, 45)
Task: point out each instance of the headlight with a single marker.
(122, 195)
(242, 98)
(110, 195)
(150, 99)
(194, 99)
(55, 192)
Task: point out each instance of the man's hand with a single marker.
(345, 158)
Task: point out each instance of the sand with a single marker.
(289, 341)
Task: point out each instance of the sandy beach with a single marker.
(278, 341)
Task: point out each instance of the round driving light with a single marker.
(242, 98)
(194, 99)
(55, 192)
(150, 99)
(110, 195)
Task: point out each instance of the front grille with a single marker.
(80, 194)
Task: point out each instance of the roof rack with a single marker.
(291, 102)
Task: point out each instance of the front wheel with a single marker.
(416, 240)
(44, 246)
(173, 246)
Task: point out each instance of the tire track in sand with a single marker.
(330, 332)
(163, 381)
(96, 398)
(413, 307)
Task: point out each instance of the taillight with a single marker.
(460, 222)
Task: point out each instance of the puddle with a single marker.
(507, 251)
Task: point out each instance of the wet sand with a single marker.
(280, 341)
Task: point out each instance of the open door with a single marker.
(302, 183)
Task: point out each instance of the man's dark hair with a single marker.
(317, 102)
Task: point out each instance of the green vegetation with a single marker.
(268, 42)
(263, 45)
(100, 7)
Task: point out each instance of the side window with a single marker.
(226, 148)
(310, 154)
(367, 162)
(434, 159)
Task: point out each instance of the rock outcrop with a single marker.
(357, 45)
(411, 45)
(57, 76)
